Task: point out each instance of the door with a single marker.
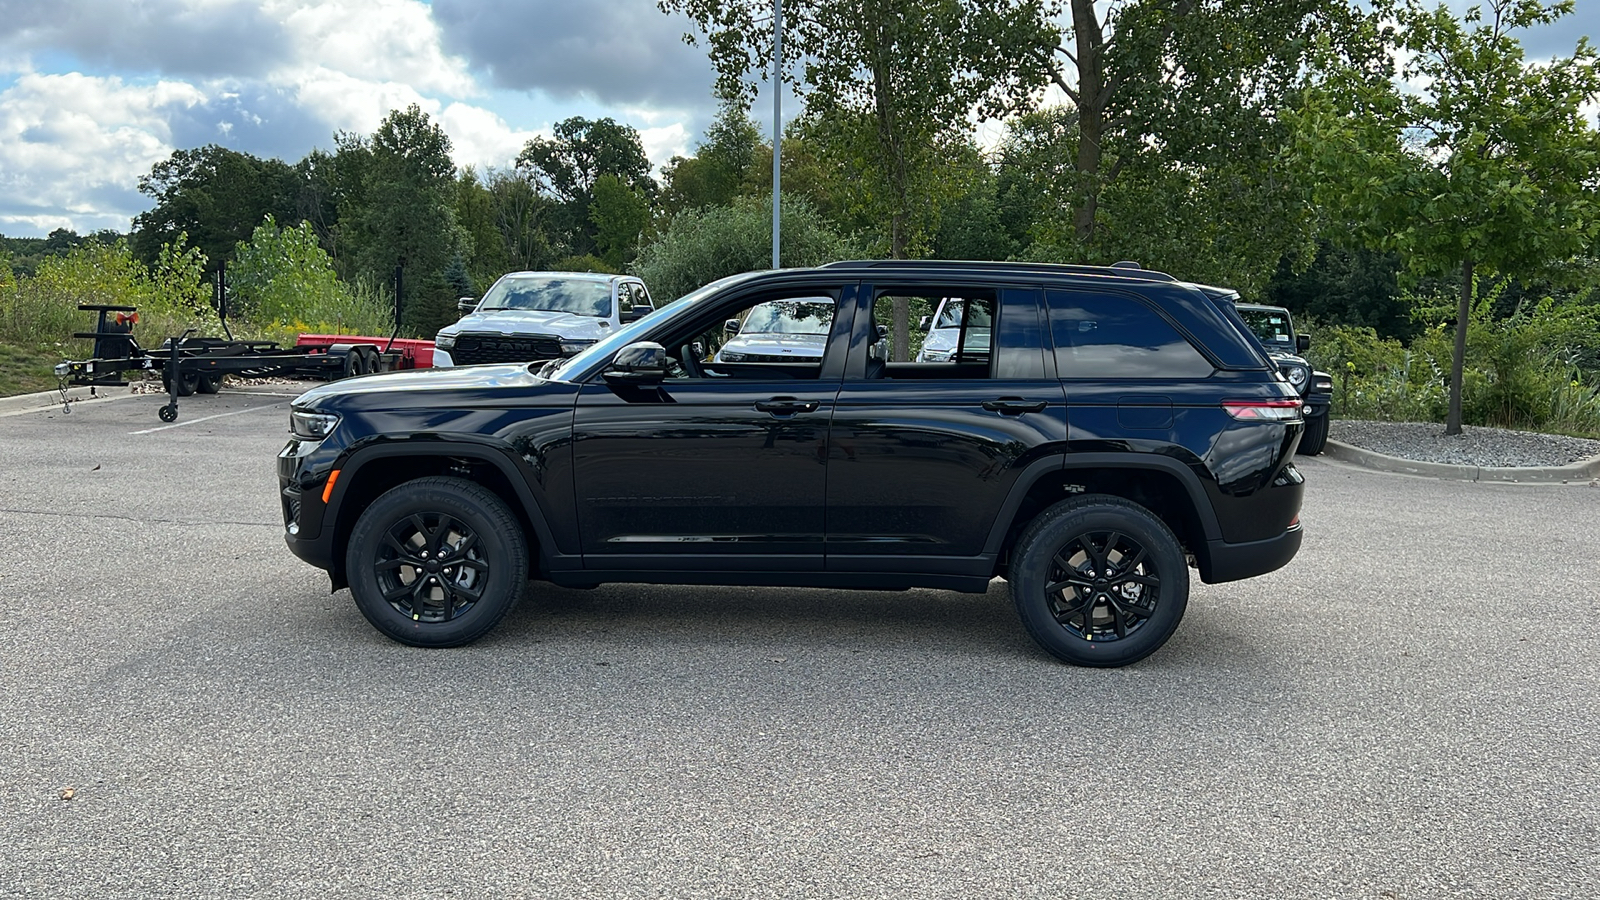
(924, 454)
(723, 467)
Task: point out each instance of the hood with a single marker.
(802, 346)
(532, 321)
(418, 381)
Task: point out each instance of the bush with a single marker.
(284, 282)
(701, 245)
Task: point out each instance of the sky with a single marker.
(95, 92)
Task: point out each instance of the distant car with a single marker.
(1274, 327)
(944, 333)
(781, 331)
(529, 316)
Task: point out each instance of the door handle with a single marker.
(1013, 406)
(786, 406)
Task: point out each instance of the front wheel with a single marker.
(1316, 436)
(436, 562)
(1099, 581)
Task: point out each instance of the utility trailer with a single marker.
(190, 365)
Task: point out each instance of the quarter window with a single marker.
(1117, 336)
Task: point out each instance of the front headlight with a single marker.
(445, 341)
(573, 348)
(936, 355)
(1297, 376)
(312, 426)
(730, 356)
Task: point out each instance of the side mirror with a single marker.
(731, 326)
(923, 325)
(1302, 342)
(883, 331)
(466, 304)
(640, 364)
(634, 313)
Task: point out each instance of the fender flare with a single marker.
(465, 447)
(1067, 460)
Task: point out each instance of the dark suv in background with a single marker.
(1275, 328)
(1109, 430)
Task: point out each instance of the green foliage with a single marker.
(1487, 168)
(406, 215)
(700, 246)
(584, 263)
(1351, 287)
(1519, 372)
(283, 278)
(215, 196)
(568, 166)
(619, 214)
(718, 170)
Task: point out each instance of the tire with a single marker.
(351, 365)
(1316, 436)
(369, 360)
(208, 384)
(449, 601)
(1121, 582)
(187, 385)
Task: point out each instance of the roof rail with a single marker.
(1120, 270)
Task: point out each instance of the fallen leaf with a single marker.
(68, 793)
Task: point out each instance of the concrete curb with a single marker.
(22, 403)
(1588, 470)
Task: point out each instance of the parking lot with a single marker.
(1410, 710)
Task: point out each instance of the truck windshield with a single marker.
(952, 310)
(1271, 327)
(578, 296)
(789, 317)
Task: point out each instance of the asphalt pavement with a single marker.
(1411, 709)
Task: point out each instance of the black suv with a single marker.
(1275, 328)
(1114, 428)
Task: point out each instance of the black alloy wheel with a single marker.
(436, 562)
(1103, 586)
(1099, 581)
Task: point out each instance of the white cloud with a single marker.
(66, 139)
(372, 40)
(661, 144)
(480, 138)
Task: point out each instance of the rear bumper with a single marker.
(1232, 562)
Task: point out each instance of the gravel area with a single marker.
(1427, 442)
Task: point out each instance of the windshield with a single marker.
(578, 296)
(951, 311)
(1271, 327)
(789, 317)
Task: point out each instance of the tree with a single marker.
(890, 85)
(214, 195)
(567, 166)
(1487, 168)
(619, 215)
(701, 245)
(717, 172)
(406, 215)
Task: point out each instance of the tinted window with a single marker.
(1117, 336)
(579, 296)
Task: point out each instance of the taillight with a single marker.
(1282, 410)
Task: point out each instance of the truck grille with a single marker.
(477, 349)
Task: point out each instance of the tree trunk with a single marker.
(1452, 424)
(1091, 102)
(901, 341)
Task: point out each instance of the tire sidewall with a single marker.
(499, 539)
(1050, 533)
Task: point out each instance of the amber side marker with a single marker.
(327, 490)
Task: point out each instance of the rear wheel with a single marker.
(208, 384)
(1099, 581)
(1316, 436)
(436, 562)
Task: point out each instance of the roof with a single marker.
(1120, 270)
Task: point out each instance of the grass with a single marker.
(29, 368)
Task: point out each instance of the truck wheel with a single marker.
(208, 384)
(436, 562)
(1099, 581)
(1316, 436)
